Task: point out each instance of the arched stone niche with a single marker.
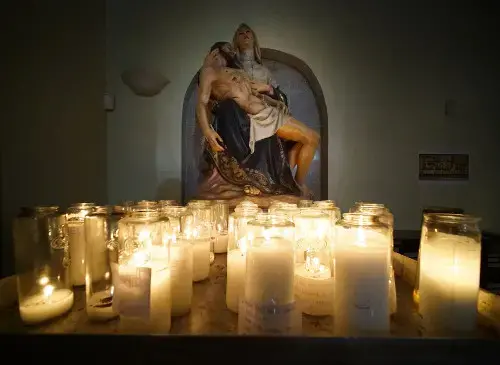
(307, 104)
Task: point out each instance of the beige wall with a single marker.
(54, 132)
(386, 69)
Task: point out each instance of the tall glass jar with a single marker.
(330, 208)
(236, 256)
(220, 216)
(200, 240)
(142, 277)
(450, 265)
(147, 204)
(76, 233)
(386, 217)
(269, 303)
(166, 203)
(305, 203)
(428, 210)
(43, 285)
(101, 236)
(314, 266)
(287, 211)
(280, 205)
(178, 222)
(28, 228)
(361, 306)
(203, 220)
(128, 204)
(232, 217)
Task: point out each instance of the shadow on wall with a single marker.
(169, 189)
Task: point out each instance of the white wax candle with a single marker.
(450, 269)
(361, 305)
(43, 307)
(100, 308)
(76, 236)
(220, 244)
(201, 258)
(160, 299)
(314, 290)
(235, 280)
(269, 274)
(96, 250)
(181, 270)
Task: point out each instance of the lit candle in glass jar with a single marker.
(361, 305)
(236, 257)
(142, 285)
(450, 266)
(269, 306)
(76, 235)
(314, 285)
(221, 239)
(236, 268)
(200, 240)
(48, 304)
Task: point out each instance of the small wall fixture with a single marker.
(144, 82)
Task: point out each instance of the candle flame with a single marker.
(138, 258)
(43, 280)
(144, 235)
(112, 290)
(313, 264)
(242, 245)
(48, 290)
(360, 238)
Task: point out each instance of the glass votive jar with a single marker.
(44, 291)
(269, 306)
(220, 216)
(287, 211)
(361, 305)
(200, 238)
(305, 203)
(314, 266)
(329, 207)
(203, 216)
(167, 203)
(386, 217)
(231, 219)
(279, 205)
(182, 270)
(76, 234)
(28, 229)
(101, 236)
(236, 256)
(142, 281)
(450, 265)
(177, 223)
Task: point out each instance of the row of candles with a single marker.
(139, 262)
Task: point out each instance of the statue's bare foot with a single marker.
(251, 190)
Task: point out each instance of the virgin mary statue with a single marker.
(235, 172)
